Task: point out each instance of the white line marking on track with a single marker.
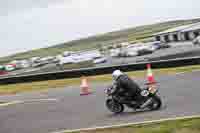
(128, 124)
(195, 70)
(11, 103)
(40, 100)
(180, 73)
(26, 101)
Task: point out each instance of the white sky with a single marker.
(34, 24)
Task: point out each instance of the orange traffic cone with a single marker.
(85, 90)
(150, 76)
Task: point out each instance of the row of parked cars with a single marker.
(94, 55)
(138, 49)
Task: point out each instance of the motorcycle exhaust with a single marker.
(145, 104)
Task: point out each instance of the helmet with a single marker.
(116, 74)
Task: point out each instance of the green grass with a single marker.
(190, 125)
(140, 33)
(55, 84)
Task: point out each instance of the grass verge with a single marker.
(190, 125)
(45, 85)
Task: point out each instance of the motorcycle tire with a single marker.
(114, 106)
(156, 104)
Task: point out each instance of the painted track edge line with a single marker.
(128, 124)
(26, 101)
(40, 100)
(11, 103)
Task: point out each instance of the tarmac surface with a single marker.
(58, 109)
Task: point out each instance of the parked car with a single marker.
(160, 45)
(34, 59)
(196, 41)
(156, 45)
(144, 52)
(114, 52)
(66, 60)
(10, 67)
(100, 60)
(131, 53)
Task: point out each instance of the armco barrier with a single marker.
(99, 70)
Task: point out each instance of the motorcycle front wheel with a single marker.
(156, 104)
(114, 106)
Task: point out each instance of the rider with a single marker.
(124, 85)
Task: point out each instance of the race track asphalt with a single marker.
(180, 94)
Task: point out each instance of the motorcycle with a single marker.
(150, 100)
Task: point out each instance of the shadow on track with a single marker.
(135, 112)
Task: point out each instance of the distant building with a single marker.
(181, 33)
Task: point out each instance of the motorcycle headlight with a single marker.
(144, 93)
(106, 91)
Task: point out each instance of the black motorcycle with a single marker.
(150, 100)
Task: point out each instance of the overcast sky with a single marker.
(28, 24)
